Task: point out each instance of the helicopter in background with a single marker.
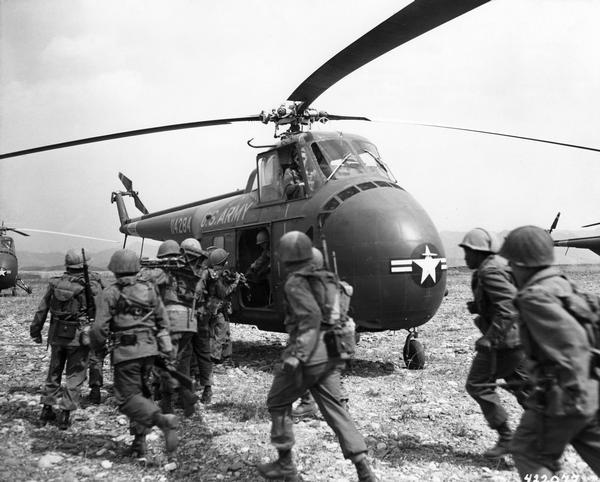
(590, 242)
(9, 265)
(371, 230)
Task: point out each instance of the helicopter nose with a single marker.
(387, 247)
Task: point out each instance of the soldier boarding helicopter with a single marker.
(333, 186)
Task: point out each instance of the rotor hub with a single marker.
(292, 114)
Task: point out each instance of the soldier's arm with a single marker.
(558, 335)
(307, 316)
(501, 293)
(35, 330)
(100, 330)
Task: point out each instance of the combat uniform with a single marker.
(315, 372)
(220, 284)
(65, 300)
(131, 314)
(497, 319)
(563, 408)
(180, 303)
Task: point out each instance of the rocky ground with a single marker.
(419, 425)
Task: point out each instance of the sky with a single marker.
(78, 68)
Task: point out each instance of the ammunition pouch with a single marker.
(340, 340)
(65, 329)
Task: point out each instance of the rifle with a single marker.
(167, 365)
(89, 302)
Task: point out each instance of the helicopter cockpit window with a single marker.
(269, 176)
(6, 243)
(341, 158)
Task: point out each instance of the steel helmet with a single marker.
(73, 259)
(317, 258)
(529, 247)
(169, 247)
(262, 237)
(124, 261)
(479, 239)
(192, 246)
(294, 247)
(217, 257)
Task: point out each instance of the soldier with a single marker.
(258, 272)
(499, 351)
(307, 406)
(306, 365)
(131, 313)
(181, 299)
(563, 408)
(65, 299)
(219, 286)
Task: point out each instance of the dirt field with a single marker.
(419, 425)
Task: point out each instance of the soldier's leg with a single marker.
(184, 353)
(327, 396)
(201, 345)
(53, 389)
(227, 346)
(511, 365)
(77, 363)
(168, 385)
(327, 393)
(285, 389)
(587, 444)
(219, 326)
(539, 442)
(131, 393)
(96, 381)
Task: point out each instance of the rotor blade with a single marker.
(126, 181)
(139, 204)
(347, 117)
(138, 132)
(17, 231)
(415, 19)
(554, 223)
(70, 234)
(590, 225)
(492, 133)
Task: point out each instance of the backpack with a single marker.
(68, 298)
(333, 297)
(585, 308)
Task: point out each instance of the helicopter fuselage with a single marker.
(372, 232)
(8, 263)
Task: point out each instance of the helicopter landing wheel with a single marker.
(413, 352)
(14, 291)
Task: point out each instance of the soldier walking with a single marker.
(65, 299)
(499, 351)
(563, 407)
(131, 314)
(306, 365)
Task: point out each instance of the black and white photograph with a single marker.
(299, 241)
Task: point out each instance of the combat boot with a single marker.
(363, 469)
(283, 468)
(62, 419)
(138, 447)
(47, 415)
(94, 397)
(502, 446)
(206, 395)
(168, 424)
(306, 408)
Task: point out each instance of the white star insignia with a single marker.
(428, 265)
(3, 271)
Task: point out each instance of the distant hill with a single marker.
(33, 261)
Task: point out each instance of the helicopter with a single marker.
(371, 230)
(9, 265)
(590, 242)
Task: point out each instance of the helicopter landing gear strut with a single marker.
(21, 285)
(413, 352)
